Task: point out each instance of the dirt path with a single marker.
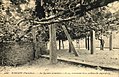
(104, 58)
(41, 67)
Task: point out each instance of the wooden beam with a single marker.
(53, 47)
(70, 41)
(92, 39)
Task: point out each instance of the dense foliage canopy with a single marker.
(18, 17)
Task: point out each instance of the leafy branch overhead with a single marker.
(33, 14)
(66, 9)
(70, 10)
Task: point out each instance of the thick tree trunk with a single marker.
(53, 47)
(92, 41)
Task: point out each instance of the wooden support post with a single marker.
(62, 44)
(101, 44)
(88, 43)
(34, 42)
(70, 40)
(79, 44)
(92, 41)
(59, 44)
(53, 47)
(110, 42)
(69, 48)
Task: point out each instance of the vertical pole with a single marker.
(100, 44)
(62, 44)
(92, 41)
(69, 48)
(34, 42)
(79, 44)
(110, 42)
(88, 43)
(59, 44)
(53, 47)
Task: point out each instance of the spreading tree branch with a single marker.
(80, 11)
(59, 20)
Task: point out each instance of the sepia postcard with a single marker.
(59, 38)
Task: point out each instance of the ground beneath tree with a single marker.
(41, 67)
(99, 58)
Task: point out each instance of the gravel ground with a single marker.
(41, 67)
(100, 57)
(104, 58)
